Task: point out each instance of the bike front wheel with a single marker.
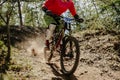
(69, 57)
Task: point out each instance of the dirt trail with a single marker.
(97, 61)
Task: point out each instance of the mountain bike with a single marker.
(67, 46)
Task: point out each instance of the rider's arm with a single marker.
(72, 9)
(73, 12)
(48, 3)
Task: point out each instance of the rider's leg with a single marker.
(50, 30)
(49, 34)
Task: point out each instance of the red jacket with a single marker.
(58, 6)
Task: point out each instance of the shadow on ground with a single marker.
(60, 76)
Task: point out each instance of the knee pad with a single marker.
(49, 32)
(52, 27)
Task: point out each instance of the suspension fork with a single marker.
(70, 34)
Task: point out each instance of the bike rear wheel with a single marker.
(48, 54)
(69, 57)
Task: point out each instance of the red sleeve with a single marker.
(72, 9)
(48, 2)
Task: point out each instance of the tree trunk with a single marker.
(20, 14)
(8, 39)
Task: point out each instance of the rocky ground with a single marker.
(99, 59)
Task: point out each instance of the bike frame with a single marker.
(66, 46)
(67, 26)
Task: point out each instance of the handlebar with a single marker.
(67, 19)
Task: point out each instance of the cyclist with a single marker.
(53, 9)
